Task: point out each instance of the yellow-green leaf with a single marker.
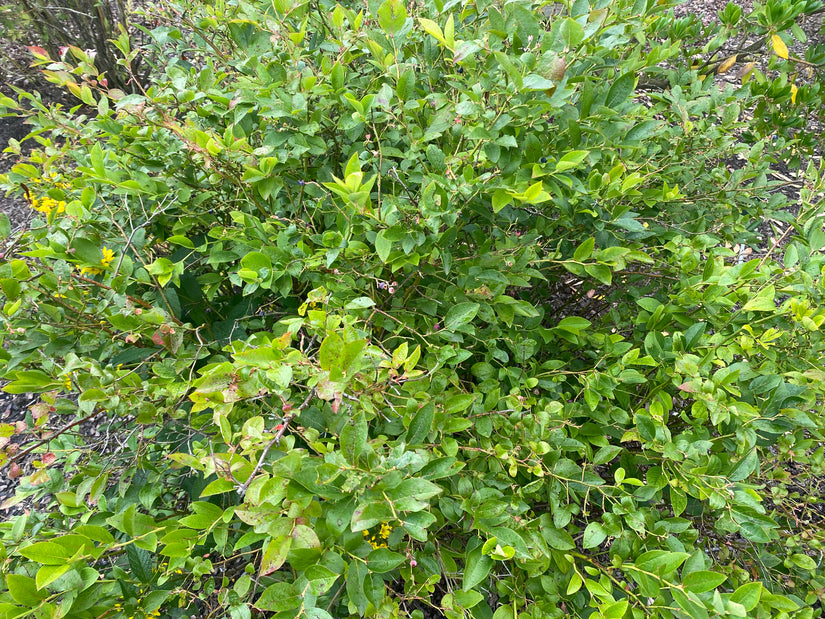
(762, 302)
(779, 46)
(432, 28)
(575, 584)
(726, 65)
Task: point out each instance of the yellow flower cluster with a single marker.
(47, 204)
(118, 607)
(376, 540)
(108, 257)
(105, 263)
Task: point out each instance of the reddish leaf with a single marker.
(38, 51)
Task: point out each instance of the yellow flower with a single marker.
(105, 263)
(48, 204)
(382, 534)
(108, 257)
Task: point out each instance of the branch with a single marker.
(51, 436)
(279, 432)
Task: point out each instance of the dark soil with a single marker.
(16, 207)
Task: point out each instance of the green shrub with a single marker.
(420, 306)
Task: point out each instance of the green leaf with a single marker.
(601, 272)
(614, 610)
(281, 596)
(467, 599)
(383, 560)
(179, 239)
(275, 553)
(571, 32)
(47, 553)
(661, 561)
(329, 355)
(47, 574)
(436, 158)
(571, 160)
(532, 193)
(30, 381)
(585, 250)
(218, 486)
(392, 14)
(678, 500)
(5, 226)
(458, 403)
(465, 50)
(555, 538)
(641, 131)
(24, 590)
(256, 261)
(748, 595)
(477, 568)
(606, 454)
(574, 324)
(140, 563)
(575, 583)
(763, 301)
(703, 580)
(413, 487)
(357, 573)
(460, 314)
(501, 198)
(421, 424)
(533, 82)
(354, 437)
(745, 467)
(433, 29)
(779, 602)
(647, 429)
(96, 156)
(383, 246)
(620, 90)
(320, 578)
(694, 609)
(803, 562)
(594, 535)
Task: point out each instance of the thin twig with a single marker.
(279, 432)
(51, 436)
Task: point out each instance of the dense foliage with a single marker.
(487, 307)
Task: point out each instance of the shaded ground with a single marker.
(15, 207)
